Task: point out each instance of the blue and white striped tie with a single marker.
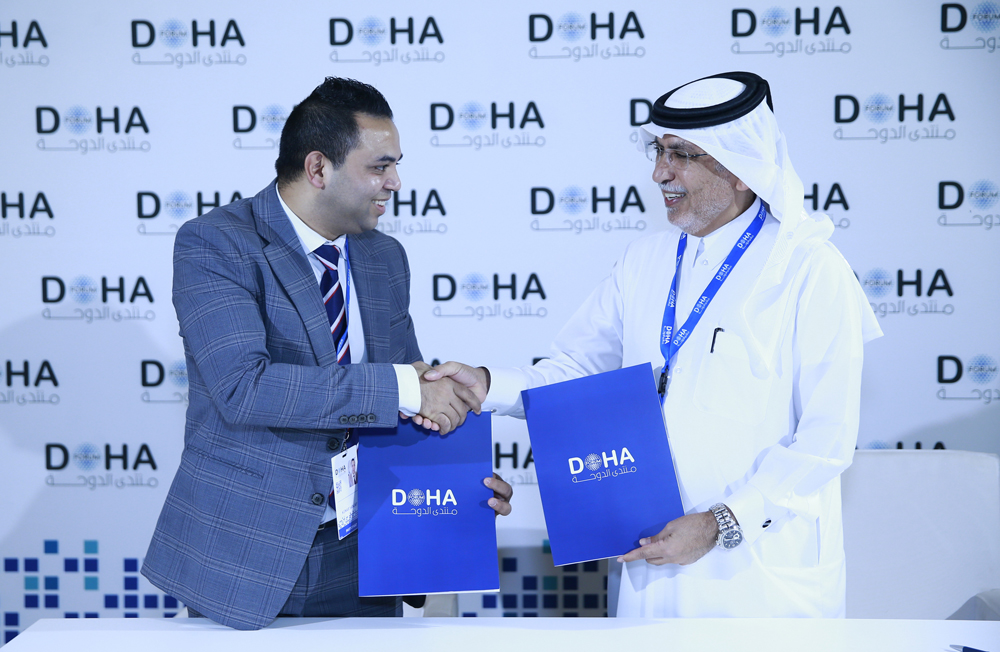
(333, 298)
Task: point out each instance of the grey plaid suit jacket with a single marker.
(266, 398)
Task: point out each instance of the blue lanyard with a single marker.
(670, 343)
(345, 281)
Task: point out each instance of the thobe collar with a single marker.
(714, 247)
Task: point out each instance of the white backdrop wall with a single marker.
(122, 121)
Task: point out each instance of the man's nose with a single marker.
(392, 181)
(663, 172)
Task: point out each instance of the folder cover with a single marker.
(424, 525)
(605, 473)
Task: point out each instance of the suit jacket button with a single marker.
(371, 418)
(343, 419)
(333, 444)
(317, 499)
(353, 419)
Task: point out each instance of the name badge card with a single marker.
(345, 490)
(605, 474)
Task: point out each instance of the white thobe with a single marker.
(765, 421)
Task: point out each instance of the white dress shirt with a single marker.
(406, 376)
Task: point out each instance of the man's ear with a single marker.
(314, 167)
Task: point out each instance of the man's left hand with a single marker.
(502, 492)
(684, 541)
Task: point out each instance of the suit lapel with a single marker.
(371, 278)
(284, 253)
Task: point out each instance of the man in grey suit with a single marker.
(245, 533)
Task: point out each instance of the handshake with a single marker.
(448, 392)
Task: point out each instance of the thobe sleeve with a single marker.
(590, 343)
(831, 325)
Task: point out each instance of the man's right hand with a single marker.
(471, 379)
(475, 378)
(444, 403)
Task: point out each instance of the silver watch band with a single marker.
(721, 513)
(730, 533)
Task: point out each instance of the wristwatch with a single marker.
(730, 534)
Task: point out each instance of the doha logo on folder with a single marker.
(424, 525)
(604, 482)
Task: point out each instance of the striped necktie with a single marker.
(333, 298)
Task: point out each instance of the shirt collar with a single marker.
(309, 239)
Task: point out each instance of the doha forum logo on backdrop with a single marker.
(377, 41)
(968, 27)
(163, 381)
(831, 199)
(790, 31)
(85, 465)
(883, 117)
(82, 130)
(162, 213)
(422, 213)
(580, 36)
(964, 205)
(185, 43)
(970, 378)
(23, 44)
(579, 210)
(28, 383)
(478, 126)
(90, 299)
(258, 128)
(909, 292)
(23, 215)
(479, 296)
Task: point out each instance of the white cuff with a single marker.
(505, 391)
(409, 388)
(747, 505)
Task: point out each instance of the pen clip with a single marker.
(717, 331)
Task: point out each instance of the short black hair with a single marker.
(326, 122)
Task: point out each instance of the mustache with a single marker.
(667, 187)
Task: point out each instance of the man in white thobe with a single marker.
(761, 401)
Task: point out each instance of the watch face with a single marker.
(731, 539)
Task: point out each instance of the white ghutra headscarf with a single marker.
(730, 117)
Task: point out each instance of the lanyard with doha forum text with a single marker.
(670, 343)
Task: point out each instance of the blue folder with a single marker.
(605, 473)
(424, 525)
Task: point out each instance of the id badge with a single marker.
(345, 490)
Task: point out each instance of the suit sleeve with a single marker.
(407, 380)
(401, 298)
(220, 298)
